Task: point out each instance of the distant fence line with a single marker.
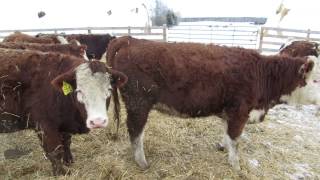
(264, 39)
(154, 33)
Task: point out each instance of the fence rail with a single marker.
(272, 38)
(229, 35)
(152, 33)
(264, 39)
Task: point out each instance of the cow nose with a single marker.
(97, 123)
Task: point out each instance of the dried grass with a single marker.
(176, 149)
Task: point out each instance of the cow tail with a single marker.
(114, 46)
(116, 110)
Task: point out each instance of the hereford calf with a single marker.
(69, 49)
(55, 94)
(96, 43)
(309, 94)
(195, 80)
(21, 37)
(299, 48)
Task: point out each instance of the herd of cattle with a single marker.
(61, 85)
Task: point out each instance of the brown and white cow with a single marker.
(196, 80)
(22, 37)
(55, 94)
(299, 48)
(309, 94)
(96, 43)
(69, 49)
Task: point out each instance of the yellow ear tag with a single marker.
(66, 88)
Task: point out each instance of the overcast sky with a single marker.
(18, 14)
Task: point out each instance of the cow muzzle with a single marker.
(99, 122)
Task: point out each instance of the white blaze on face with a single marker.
(93, 90)
(308, 94)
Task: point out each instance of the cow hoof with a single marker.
(220, 147)
(236, 168)
(143, 165)
(235, 164)
(68, 160)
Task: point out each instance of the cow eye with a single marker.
(80, 95)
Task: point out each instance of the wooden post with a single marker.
(89, 31)
(261, 39)
(129, 31)
(55, 31)
(164, 32)
(308, 35)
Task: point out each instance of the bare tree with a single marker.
(163, 15)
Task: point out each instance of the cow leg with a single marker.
(237, 119)
(53, 146)
(67, 156)
(222, 145)
(136, 121)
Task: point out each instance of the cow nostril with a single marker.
(91, 122)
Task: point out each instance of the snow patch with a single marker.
(302, 172)
(254, 163)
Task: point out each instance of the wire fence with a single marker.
(265, 39)
(229, 35)
(272, 38)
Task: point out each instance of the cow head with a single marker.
(91, 86)
(307, 90)
(299, 48)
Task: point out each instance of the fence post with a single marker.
(55, 31)
(129, 31)
(261, 39)
(164, 32)
(89, 31)
(308, 35)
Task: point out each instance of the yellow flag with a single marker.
(66, 88)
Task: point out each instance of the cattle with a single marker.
(96, 43)
(306, 95)
(300, 48)
(57, 95)
(70, 49)
(197, 80)
(21, 37)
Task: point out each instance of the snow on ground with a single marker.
(304, 124)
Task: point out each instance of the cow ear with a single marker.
(118, 79)
(306, 67)
(65, 82)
